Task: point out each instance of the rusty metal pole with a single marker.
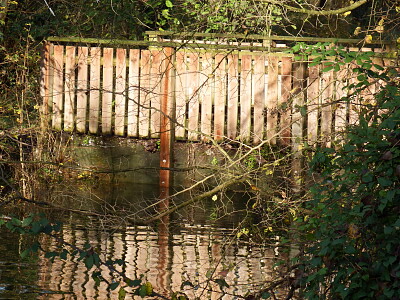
(166, 127)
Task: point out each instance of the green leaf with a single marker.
(36, 227)
(27, 221)
(25, 253)
(89, 262)
(64, 254)
(113, 285)
(265, 295)
(121, 294)
(135, 282)
(327, 69)
(185, 283)
(296, 48)
(222, 283)
(384, 181)
(168, 3)
(143, 291)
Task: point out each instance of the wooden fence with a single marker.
(246, 95)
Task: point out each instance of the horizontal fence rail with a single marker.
(230, 94)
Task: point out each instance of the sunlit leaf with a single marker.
(121, 294)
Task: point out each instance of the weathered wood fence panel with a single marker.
(242, 95)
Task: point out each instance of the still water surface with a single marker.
(167, 255)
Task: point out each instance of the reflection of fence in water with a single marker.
(165, 260)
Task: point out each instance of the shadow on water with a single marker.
(192, 245)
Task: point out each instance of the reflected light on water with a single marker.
(166, 259)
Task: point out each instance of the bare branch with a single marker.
(323, 12)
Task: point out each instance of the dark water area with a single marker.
(193, 245)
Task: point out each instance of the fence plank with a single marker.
(58, 86)
(354, 105)
(94, 100)
(205, 93)
(157, 58)
(180, 95)
(220, 93)
(144, 105)
(245, 98)
(82, 89)
(133, 92)
(259, 98)
(326, 110)
(340, 105)
(313, 93)
(284, 106)
(299, 79)
(120, 92)
(272, 99)
(193, 96)
(233, 95)
(45, 85)
(69, 88)
(106, 107)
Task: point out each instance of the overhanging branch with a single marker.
(323, 12)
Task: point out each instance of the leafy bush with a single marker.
(353, 222)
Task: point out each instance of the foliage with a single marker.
(353, 220)
(230, 16)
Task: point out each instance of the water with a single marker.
(188, 247)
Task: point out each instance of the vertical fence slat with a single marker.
(120, 92)
(245, 98)
(340, 105)
(354, 105)
(94, 101)
(106, 104)
(144, 105)
(220, 91)
(82, 89)
(326, 110)
(69, 103)
(284, 106)
(180, 96)
(233, 95)
(133, 92)
(297, 117)
(157, 58)
(58, 86)
(313, 92)
(205, 93)
(45, 85)
(193, 96)
(259, 98)
(272, 98)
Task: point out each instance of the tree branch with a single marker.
(323, 12)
